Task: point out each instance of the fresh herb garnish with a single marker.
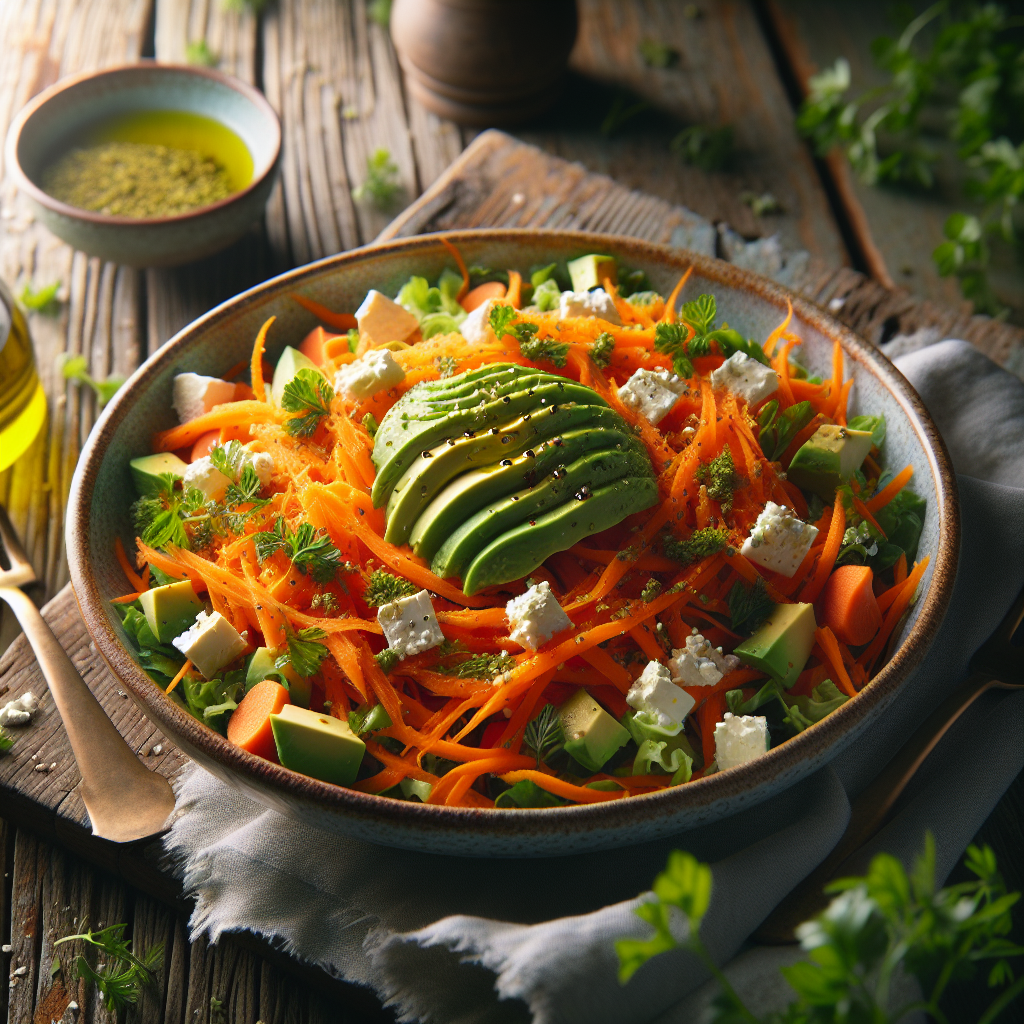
(700, 313)
(749, 607)
(720, 477)
(710, 149)
(309, 395)
(446, 366)
(541, 349)
(602, 348)
(652, 588)
(544, 736)
(700, 544)
(304, 654)
(656, 54)
(479, 666)
(124, 974)
(779, 429)
(6, 740)
(200, 54)
(384, 588)
(500, 319)
(381, 185)
(311, 553)
(388, 659)
(76, 370)
(43, 300)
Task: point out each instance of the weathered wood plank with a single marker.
(26, 927)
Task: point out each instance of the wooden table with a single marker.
(330, 72)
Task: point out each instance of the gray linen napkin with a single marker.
(464, 941)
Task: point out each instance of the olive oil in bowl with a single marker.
(151, 163)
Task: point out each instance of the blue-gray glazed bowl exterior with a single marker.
(63, 110)
(102, 491)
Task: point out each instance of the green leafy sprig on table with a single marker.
(76, 369)
(973, 73)
(381, 186)
(308, 395)
(41, 300)
(709, 148)
(121, 977)
(885, 921)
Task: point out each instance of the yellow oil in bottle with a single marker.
(22, 401)
(181, 129)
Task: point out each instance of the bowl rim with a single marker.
(780, 763)
(70, 82)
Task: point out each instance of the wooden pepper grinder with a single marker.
(484, 62)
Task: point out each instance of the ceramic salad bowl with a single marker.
(102, 493)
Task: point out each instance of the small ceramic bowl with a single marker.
(59, 115)
(102, 492)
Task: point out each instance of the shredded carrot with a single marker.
(181, 675)
(770, 341)
(126, 598)
(830, 646)
(865, 513)
(579, 794)
(514, 295)
(122, 558)
(891, 489)
(829, 553)
(669, 315)
(894, 614)
(339, 321)
(461, 264)
(900, 572)
(258, 387)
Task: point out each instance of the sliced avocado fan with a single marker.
(490, 472)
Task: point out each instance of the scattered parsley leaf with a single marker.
(544, 736)
(670, 338)
(388, 659)
(325, 601)
(500, 318)
(720, 477)
(228, 458)
(656, 54)
(43, 301)
(543, 349)
(384, 588)
(699, 545)
(309, 395)
(76, 370)
(710, 149)
(652, 588)
(381, 185)
(602, 349)
(6, 740)
(304, 654)
(312, 554)
(700, 313)
(749, 606)
(446, 366)
(200, 54)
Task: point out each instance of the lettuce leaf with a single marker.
(528, 794)
(876, 424)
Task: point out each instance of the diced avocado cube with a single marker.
(415, 788)
(319, 746)
(262, 666)
(147, 470)
(590, 271)
(782, 645)
(291, 361)
(171, 609)
(591, 734)
(829, 457)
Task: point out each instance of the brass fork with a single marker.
(125, 800)
(998, 664)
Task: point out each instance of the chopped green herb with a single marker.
(602, 348)
(710, 149)
(652, 588)
(325, 602)
(479, 666)
(500, 319)
(304, 654)
(384, 588)
(446, 366)
(43, 301)
(542, 350)
(312, 554)
(544, 736)
(353, 338)
(699, 545)
(720, 477)
(369, 422)
(76, 369)
(700, 313)
(381, 185)
(388, 659)
(309, 396)
(200, 54)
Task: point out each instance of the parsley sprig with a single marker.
(479, 666)
(313, 554)
(384, 588)
(533, 348)
(309, 396)
(120, 979)
(697, 546)
(544, 736)
(720, 477)
(602, 349)
(303, 652)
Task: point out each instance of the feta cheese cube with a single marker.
(20, 710)
(262, 463)
(204, 475)
(410, 625)
(739, 739)
(476, 328)
(746, 377)
(700, 664)
(384, 320)
(195, 394)
(652, 393)
(375, 371)
(658, 697)
(778, 540)
(535, 617)
(596, 303)
(210, 643)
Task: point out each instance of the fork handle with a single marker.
(869, 810)
(113, 778)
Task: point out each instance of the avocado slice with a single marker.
(393, 456)
(429, 474)
(147, 470)
(262, 666)
(782, 644)
(469, 493)
(591, 734)
(519, 551)
(170, 609)
(587, 272)
(591, 471)
(319, 746)
(291, 361)
(828, 457)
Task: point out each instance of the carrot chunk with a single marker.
(481, 293)
(249, 724)
(313, 345)
(848, 605)
(204, 445)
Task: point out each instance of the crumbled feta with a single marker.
(476, 328)
(410, 625)
(210, 643)
(384, 320)
(20, 710)
(262, 464)
(195, 394)
(596, 303)
(778, 540)
(739, 739)
(375, 371)
(204, 475)
(658, 697)
(652, 393)
(700, 664)
(746, 377)
(536, 616)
